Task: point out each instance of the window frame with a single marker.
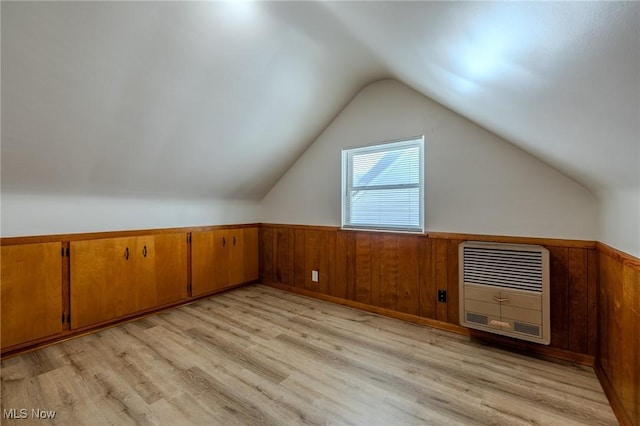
(347, 184)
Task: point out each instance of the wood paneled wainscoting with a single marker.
(400, 275)
(618, 355)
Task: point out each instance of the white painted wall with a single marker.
(476, 182)
(620, 219)
(37, 214)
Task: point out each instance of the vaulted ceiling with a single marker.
(219, 99)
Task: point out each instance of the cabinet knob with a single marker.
(144, 251)
(126, 253)
(224, 242)
(234, 240)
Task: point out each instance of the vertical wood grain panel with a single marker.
(311, 258)
(408, 282)
(31, 292)
(267, 251)
(168, 256)
(559, 290)
(339, 287)
(363, 267)
(388, 284)
(299, 276)
(225, 259)
(604, 311)
(618, 341)
(636, 310)
(592, 297)
(284, 256)
(250, 256)
(327, 265)
(453, 288)
(427, 281)
(441, 263)
(578, 300)
(628, 341)
(351, 266)
(614, 329)
(375, 258)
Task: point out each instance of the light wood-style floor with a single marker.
(257, 355)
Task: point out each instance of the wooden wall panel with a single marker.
(363, 267)
(283, 255)
(267, 252)
(409, 258)
(351, 266)
(453, 287)
(441, 275)
(299, 252)
(578, 300)
(618, 348)
(558, 260)
(428, 288)
(339, 286)
(311, 259)
(388, 271)
(592, 290)
(629, 342)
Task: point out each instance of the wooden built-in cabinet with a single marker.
(56, 286)
(115, 277)
(31, 292)
(223, 258)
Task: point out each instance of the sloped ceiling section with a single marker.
(169, 98)
(219, 99)
(559, 79)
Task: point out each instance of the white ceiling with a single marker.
(219, 99)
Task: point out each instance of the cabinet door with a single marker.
(31, 292)
(144, 289)
(209, 261)
(222, 244)
(236, 256)
(164, 268)
(102, 280)
(250, 255)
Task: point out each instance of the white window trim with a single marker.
(347, 180)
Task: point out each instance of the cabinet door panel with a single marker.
(31, 292)
(144, 288)
(235, 256)
(201, 263)
(250, 254)
(102, 280)
(169, 256)
(222, 247)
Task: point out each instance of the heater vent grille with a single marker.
(512, 269)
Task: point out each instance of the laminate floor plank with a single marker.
(260, 356)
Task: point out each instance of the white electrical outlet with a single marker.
(314, 276)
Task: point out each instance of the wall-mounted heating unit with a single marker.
(504, 289)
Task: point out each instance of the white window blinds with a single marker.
(383, 186)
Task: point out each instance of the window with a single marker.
(383, 186)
